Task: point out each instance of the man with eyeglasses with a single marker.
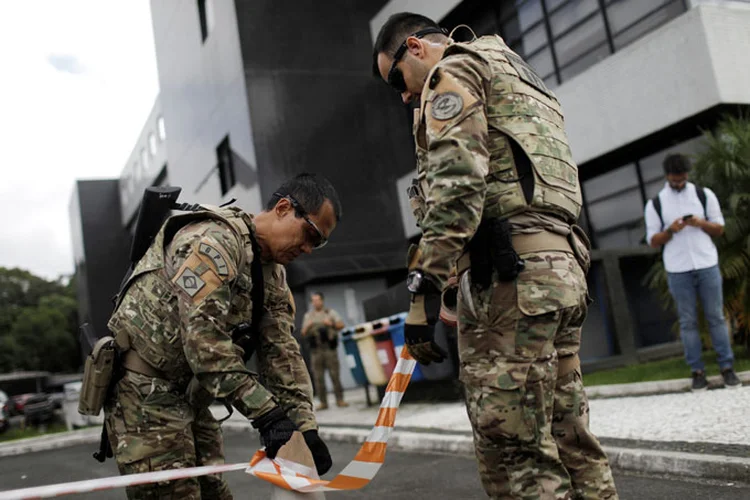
(496, 197)
(176, 322)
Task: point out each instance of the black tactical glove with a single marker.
(275, 430)
(319, 451)
(419, 327)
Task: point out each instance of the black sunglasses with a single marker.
(321, 240)
(395, 77)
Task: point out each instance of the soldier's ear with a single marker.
(283, 207)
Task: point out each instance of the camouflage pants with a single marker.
(152, 427)
(531, 431)
(326, 359)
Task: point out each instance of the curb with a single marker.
(50, 442)
(655, 387)
(680, 464)
(672, 463)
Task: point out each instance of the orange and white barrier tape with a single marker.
(282, 473)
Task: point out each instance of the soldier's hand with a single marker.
(275, 430)
(419, 327)
(319, 451)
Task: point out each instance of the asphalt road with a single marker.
(407, 476)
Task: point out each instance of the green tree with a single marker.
(724, 166)
(38, 322)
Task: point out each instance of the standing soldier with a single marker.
(496, 197)
(321, 327)
(175, 320)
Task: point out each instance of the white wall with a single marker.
(692, 63)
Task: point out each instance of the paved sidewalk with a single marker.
(715, 416)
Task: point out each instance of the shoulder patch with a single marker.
(189, 281)
(447, 105)
(217, 258)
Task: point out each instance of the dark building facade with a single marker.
(100, 248)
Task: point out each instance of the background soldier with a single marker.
(175, 319)
(321, 327)
(497, 196)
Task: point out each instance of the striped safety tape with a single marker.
(282, 473)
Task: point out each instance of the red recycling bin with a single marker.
(384, 345)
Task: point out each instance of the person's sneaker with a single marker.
(730, 379)
(699, 381)
(322, 406)
(342, 404)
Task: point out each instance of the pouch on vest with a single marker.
(97, 375)
(581, 246)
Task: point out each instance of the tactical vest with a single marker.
(150, 321)
(520, 110)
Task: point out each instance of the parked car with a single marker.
(38, 408)
(57, 399)
(17, 403)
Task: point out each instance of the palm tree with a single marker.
(724, 166)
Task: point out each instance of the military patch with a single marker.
(447, 105)
(216, 257)
(189, 282)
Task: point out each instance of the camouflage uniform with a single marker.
(177, 313)
(323, 353)
(483, 114)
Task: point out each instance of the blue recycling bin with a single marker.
(396, 329)
(353, 359)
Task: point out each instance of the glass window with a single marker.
(152, 144)
(528, 12)
(570, 15)
(610, 183)
(206, 17)
(534, 39)
(582, 39)
(616, 210)
(584, 62)
(227, 178)
(160, 128)
(542, 63)
(144, 160)
(652, 188)
(136, 176)
(632, 19)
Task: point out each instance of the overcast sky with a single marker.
(78, 81)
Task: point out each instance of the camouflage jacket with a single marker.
(183, 302)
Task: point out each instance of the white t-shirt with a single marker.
(692, 248)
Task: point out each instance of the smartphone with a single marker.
(689, 216)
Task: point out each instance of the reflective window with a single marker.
(630, 20)
(152, 144)
(160, 128)
(613, 181)
(616, 210)
(206, 17)
(145, 164)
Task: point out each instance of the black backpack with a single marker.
(701, 196)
